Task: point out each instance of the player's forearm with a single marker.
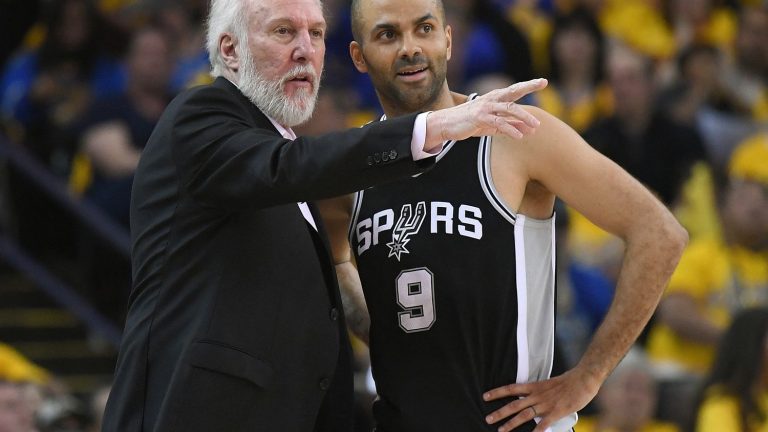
(355, 309)
(653, 250)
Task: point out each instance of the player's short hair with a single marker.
(357, 17)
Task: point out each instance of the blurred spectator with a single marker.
(61, 413)
(98, 403)
(716, 278)
(576, 53)
(627, 400)
(640, 24)
(698, 84)
(747, 78)
(701, 21)
(15, 19)
(116, 128)
(734, 396)
(638, 137)
(534, 19)
(43, 93)
(114, 132)
(513, 54)
(183, 27)
(584, 293)
(14, 413)
(484, 43)
(489, 82)
(15, 367)
(46, 90)
(21, 382)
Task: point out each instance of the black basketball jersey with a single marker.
(460, 291)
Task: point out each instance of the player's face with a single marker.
(405, 48)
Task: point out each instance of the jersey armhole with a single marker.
(486, 180)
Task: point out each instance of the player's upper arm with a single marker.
(336, 214)
(566, 165)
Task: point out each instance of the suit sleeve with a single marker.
(224, 161)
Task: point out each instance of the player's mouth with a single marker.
(411, 74)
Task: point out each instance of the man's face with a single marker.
(11, 408)
(629, 400)
(752, 41)
(280, 71)
(746, 212)
(149, 61)
(405, 48)
(632, 85)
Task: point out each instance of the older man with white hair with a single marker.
(235, 322)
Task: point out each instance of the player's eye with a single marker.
(387, 34)
(427, 28)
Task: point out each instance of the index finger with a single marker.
(520, 89)
(508, 390)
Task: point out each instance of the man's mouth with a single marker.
(301, 78)
(412, 71)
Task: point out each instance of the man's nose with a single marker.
(305, 50)
(410, 46)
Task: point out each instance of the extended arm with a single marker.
(560, 160)
(109, 147)
(224, 161)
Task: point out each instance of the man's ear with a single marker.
(356, 52)
(227, 45)
(448, 40)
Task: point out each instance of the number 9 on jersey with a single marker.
(416, 295)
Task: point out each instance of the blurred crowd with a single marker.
(674, 91)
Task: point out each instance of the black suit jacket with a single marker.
(235, 321)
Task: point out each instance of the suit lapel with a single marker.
(318, 235)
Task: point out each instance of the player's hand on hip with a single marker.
(494, 113)
(546, 401)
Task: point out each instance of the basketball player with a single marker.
(457, 264)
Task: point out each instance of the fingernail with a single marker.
(489, 419)
(487, 396)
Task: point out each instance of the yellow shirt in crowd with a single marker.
(15, 367)
(721, 280)
(720, 413)
(589, 424)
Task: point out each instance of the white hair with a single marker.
(226, 16)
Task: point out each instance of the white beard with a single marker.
(269, 96)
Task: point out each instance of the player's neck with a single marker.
(446, 99)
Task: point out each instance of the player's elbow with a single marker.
(675, 236)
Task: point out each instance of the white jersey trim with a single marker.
(522, 302)
(358, 202)
(486, 180)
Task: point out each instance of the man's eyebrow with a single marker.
(384, 25)
(288, 20)
(387, 25)
(426, 17)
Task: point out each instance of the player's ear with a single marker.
(356, 52)
(448, 42)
